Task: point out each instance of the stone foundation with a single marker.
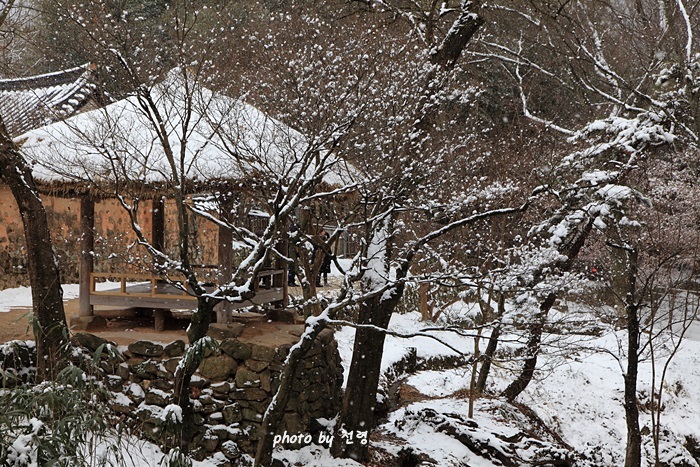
(230, 391)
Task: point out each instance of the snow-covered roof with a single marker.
(27, 103)
(220, 139)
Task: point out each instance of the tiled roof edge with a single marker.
(45, 80)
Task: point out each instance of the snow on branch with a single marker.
(408, 335)
(630, 135)
(689, 31)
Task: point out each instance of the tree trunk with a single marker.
(533, 350)
(50, 330)
(275, 412)
(570, 250)
(633, 454)
(491, 347)
(197, 330)
(357, 413)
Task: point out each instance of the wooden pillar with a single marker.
(283, 247)
(423, 290)
(225, 257)
(158, 223)
(159, 319)
(87, 246)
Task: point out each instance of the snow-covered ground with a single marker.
(579, 397)
(21, 297)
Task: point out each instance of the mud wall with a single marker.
(115, 250)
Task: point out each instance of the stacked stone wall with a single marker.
(230, 391)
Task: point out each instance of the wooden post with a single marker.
(159, 319)
(87, 245)
(225, 256)
(423, 290)
(158, 242)
(158, 223)
(283, 282)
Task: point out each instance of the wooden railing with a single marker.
(157, 287)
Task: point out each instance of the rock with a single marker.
(146, 349)
(163, 372)
(114, 383)
(175, 349)
(89, 341)
(232, 414)
(230, 450)
(218, 367)
(145, 370)
(197, 382)
(260, 352)
(246, 378)
(252, 415)
(123, 371)
(216, 418)
(122, 409)
(162, 384)
(256, 365)
(251, 394)
(221, 389)
(220, 432)
(266, 381)
(236, 349)
(225, 331)
(171, 364)
(209, 442)
(157, 397)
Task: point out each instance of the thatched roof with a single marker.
(224, 141)
(27, 103)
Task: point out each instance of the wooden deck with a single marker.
(144, 291)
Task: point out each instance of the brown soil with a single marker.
(15, 324)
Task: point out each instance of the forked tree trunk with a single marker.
(487, 357)
(570, 250)
(275, 412)
(533, 350)
(50, 330)
(357, 413)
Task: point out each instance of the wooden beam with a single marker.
(158, 223)
(225, 257)
(87, 246)
(283, 280)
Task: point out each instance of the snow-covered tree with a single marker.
(49, 323)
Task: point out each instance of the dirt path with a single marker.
(15, 325)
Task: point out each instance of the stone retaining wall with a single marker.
(231, 389)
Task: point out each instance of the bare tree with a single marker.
(50, 329)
